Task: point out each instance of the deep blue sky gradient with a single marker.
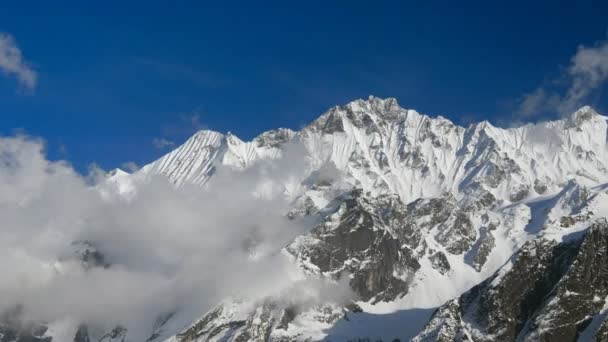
(113, 76)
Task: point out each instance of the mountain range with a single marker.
(438, 232)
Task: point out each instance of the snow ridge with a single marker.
(384, 148)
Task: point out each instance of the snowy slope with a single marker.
(195, 161)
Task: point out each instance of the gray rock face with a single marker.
(368, 239)
(579, 294)
(118, 334)
(452, 220)
(519, 194)
(445, 325)
(539, 187)
(241, 322)
(550, 292)
(331, 122)
(484, 245)
(440, 262)
(82, 334)
(569, 221)
(274, 138)
(459, 235)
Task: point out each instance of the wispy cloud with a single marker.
(12, 62)
(161, 143)
(587, 72)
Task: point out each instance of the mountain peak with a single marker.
(206, 134)
(274, 138)
(580, 116)
(375, 104)
(387, 104)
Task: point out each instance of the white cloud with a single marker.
(169, 249)
(12, 62)
(130, 166)
(537, 102)
(161, 143)
(587, 71)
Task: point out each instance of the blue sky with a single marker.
(112, 78)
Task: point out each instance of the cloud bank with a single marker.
(12, 62)
(587, 71)
(168, 251)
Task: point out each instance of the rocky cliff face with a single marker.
(369, 240)
(549, 292)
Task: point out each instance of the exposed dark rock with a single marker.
(444, 325)
(118, 334)
(540, 187)
(602, 333)
(579, 294)
(569, 221)
(440, 209)
(372, 240)
(265, 321)
(487, 200)
(274, 138)
(550, 293)
(288, 316)
(485, 243)
(330, 122)
(458, 236)
(440, 262)
(519, 194)
(82, 334)
(412, 158)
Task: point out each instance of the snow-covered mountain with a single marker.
(490, 225)
(384, 148)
